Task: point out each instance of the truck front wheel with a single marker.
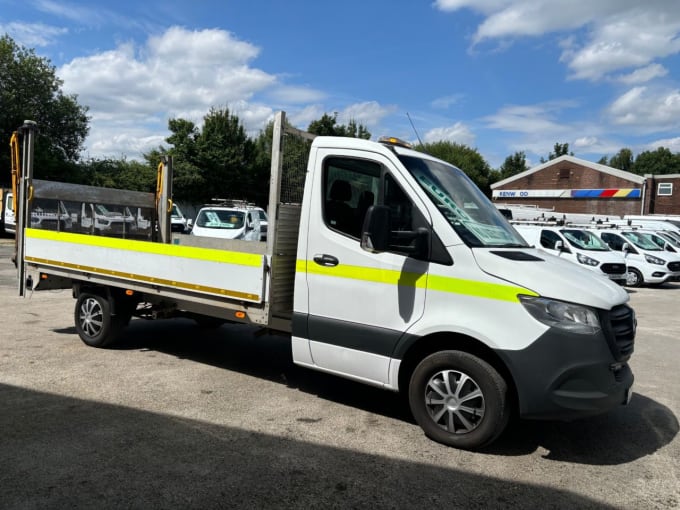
(94, 322)
(459, 399)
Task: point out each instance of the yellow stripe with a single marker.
(475, 288)
(622, 192)
(146, 279)
(172, 250)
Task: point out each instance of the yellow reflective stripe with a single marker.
(487, 290)
(476, 288)
(172, 250)
(367, 274)
(146, 279)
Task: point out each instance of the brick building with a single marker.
(572, 185)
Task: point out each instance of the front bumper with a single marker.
(566, 376)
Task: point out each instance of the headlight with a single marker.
(584, 259)
(654, 260)
(562, 315)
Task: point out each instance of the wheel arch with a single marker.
(447, 341)
(114, 295)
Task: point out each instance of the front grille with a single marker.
(673, 266)
(613, 268)
(619, 325)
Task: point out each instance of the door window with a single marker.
(350, 188)
(549, 238)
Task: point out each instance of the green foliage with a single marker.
(29, 89)
(118, 173)
(467, 159)
(328, 125)
(659, 162)
(513, 165)
(623, 160)
(561, 149)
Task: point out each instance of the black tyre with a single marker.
(94, 322)
(459, 399)
(634, 278)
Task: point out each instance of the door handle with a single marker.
(326, 260)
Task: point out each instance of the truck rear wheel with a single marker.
(95, 324)
(459, 399)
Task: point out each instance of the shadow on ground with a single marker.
(61, 452)
(618, 437)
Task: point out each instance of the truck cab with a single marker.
(406, 270)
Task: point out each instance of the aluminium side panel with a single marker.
(202, 272)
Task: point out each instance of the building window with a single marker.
(665, 189)
(565, 173)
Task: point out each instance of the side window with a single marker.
(548, 239)
(613, 241)
(405, 216)
(350, 188)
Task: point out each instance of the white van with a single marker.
(579, 246)
(228, 222)
(9, 222)
(647, 262)
(178, 222)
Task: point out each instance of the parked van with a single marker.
(579, 246)
(178, 222)
(100, 219)
(228, 220)
(647, 263)
(8, 220)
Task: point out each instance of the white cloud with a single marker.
(368, 113)
(643, 74)
(613, 34)
(529, 118)
(179, 73)
(32, 35)
(445, 102)
(673, 144)
(291, 94)
(647, 109)
(458, 132)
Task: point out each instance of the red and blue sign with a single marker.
(606, 193)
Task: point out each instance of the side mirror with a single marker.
(377, 235)
(559, 246)
(375, 232)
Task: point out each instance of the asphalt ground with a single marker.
(180, 417)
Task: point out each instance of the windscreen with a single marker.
(584, 240)
(216, 218)
(471, 214)
(641, 240)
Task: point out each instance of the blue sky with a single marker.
(498, 75)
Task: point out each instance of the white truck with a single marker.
(384, 265)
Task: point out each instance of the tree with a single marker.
(659, 162)
(328, 125)
(561, 149)
(513, 165)
(467, 159)
(29, 89)
(623, 160)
